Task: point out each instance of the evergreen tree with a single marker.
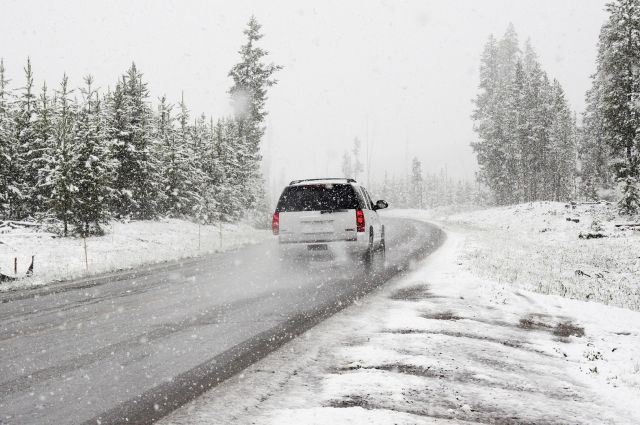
(207, 210)
(129, 126)
(357, 167)
(123, 154)
(347, 170)
(495, 151)
(535, 127)
(59, 180)
(618, 84)
(26, 154)
(416, 183)
(229, 188)
(44, 145)
(562, 157)
(8, 149)
(91, 167)
(251, 79)
(594, 152)
(180, 171)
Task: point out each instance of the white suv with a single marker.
(333, 216)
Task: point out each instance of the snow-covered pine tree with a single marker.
(618, 77)
(562, 151)
(357, 163)
(129, 126)
(417, 188)
(347, 169)
(92, 167)
(543, 118)
(229, 188)
(180, 169)
(8, 149)
(117, 131)
(189, 164)
(26, 156)
(59, 180)
(594, 152)
(510, 84)
(251, 79)
(45, 144)
(534, 126)
(486, 148)
(200, 134)
(514, 145)
(495, 149)
(430, 190)
(207, 210)
(205, 163)
(165, 134)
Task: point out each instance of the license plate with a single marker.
(317, 247)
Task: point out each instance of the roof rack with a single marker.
(326, 178)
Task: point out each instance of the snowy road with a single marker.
(439, 345)
(137, 347)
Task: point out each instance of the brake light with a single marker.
(275, 223)
(360, 220)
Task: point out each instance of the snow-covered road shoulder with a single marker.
(124, 246)
(440, 345)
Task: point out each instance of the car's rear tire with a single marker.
(369, 258)
(374, 259)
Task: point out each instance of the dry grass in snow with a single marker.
(579, 251)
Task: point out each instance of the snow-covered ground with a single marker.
(446, 344)
(577, 251)
(124, 246)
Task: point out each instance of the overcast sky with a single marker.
(398, 73)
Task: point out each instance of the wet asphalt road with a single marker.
(132, 347)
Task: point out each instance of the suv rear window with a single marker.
(318, 197)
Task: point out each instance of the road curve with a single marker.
(133, 347)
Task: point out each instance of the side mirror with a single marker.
(380, 205)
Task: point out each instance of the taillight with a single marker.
(360, 220)
(275, 223)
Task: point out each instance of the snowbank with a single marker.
(125, 245)
(584, 252)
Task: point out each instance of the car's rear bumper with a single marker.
(334, 249)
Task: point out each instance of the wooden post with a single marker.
(220, 229)
(86, 259)
(15, 266)
(30, 269)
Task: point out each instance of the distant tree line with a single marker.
(82, 158)
(417, 189)
(529, 147)
(428, 190)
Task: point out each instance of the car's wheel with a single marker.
(368, 258)
(383, 252)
